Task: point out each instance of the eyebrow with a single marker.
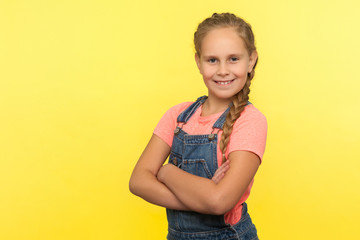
(230, 55)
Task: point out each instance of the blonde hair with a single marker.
(239, 101)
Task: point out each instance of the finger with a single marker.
(218, 172)
(223, 168)
(225, 165)
(214, 179)
(216, 175)
(221, 176)
(218, 178)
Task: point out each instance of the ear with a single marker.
(197, 60)
(253, 58)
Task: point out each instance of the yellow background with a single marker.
(83, 84)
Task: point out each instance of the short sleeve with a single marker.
(165, 127)
(249, 132)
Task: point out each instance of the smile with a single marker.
(224, 82)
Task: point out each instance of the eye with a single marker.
(212, 60)
(234, 59)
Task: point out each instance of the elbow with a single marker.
(220, 209)
(133, 186)
(140, 182)
(219, 205)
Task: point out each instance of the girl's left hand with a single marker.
(220, 172)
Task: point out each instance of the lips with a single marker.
(224, 82)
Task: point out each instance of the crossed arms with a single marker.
(170, 187)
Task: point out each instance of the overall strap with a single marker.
(221, 120)
(187, 113)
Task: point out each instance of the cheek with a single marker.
(208, 72)
(241, 71)
(243, 74)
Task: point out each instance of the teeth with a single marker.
(224, 83)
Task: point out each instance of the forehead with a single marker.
(222, 41)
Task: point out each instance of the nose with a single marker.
(222, 69)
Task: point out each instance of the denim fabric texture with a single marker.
(197, 155)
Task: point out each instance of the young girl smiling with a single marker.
(215, 144)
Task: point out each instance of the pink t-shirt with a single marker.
(249, 134)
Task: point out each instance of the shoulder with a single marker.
(249, 132)
(166, 125)
(251, 116)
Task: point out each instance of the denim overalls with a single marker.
(197, 155)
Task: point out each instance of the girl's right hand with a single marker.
(220, 172)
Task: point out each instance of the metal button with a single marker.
(211, 136)
(175, 161)
(176, 131)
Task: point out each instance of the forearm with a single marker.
(196, 192)
(205, 196)
(147, 186)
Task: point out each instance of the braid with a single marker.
(239, 102)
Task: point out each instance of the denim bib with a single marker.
(197, 154)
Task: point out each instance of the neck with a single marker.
(212, 106)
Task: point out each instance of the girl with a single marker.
(202, 200)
